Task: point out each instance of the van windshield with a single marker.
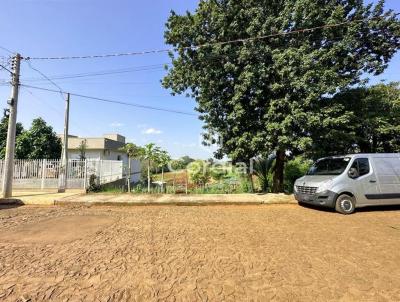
(329, 166)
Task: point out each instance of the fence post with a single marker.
(44, 170)
(85, 175)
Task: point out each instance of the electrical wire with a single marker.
(215, 57)
(47, 78)
(113, 101)
(7, 50)
(90, 82)
(195, 47)
(5, 68)
(55, 109)
(101, 72)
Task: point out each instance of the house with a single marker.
(107, 147)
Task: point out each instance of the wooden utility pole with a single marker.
(62, 178)
(8, 169)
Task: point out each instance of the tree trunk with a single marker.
(277, 186)
(374, 144)
(364, 146)
(250, 176)
(148, 177)
(162, 179)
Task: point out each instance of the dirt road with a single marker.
(219, 253)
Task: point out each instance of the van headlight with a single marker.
(324, 187)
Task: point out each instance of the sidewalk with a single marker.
(170, 199)
(38, 197)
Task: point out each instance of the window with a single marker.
(361, 165)
(329, 166)
(119, 157)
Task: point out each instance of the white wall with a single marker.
(135, 168)
(112, 155)
(92, 154)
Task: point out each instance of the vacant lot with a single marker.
(219, 253)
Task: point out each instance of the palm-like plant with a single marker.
(150, 154)
(262, 166)
(163, 159)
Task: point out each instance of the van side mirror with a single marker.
(353, 173)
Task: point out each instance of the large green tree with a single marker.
(39, 142)
(373, 121)
(260, 94)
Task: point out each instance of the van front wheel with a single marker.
(345, 204)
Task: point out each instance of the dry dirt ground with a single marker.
(218, 253)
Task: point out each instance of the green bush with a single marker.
(199, 172)
(218, 171)
(245, 186)
(93, 184)
(295, 169)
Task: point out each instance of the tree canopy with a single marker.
(3, 134)
(372, 121)
(264, 94)
(39, 142)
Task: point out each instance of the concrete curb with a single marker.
(171, 200)
(157, 203)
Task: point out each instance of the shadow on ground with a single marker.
(10, 203)
(379, 209)
(317, 208)
(360, 210)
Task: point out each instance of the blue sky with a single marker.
(79, 27)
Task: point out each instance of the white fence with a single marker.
(44, 173)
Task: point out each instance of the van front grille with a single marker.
(306, 190)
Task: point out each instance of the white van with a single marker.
(351, 181)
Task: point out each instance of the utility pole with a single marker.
(8, 169)
(62, 179)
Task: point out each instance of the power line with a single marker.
(7, 50)
(5, 68)
(113, 101)
(101, 72)
(100, 56)
(46, 78)
(106, 82)
(216, 57)
(56, 110)
(195, 47)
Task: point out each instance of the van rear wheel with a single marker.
(345, 204)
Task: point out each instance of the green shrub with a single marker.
(199, 172)
(262, 168)
(218, 171)
(93, 184)
(295, 169)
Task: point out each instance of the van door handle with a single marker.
(372, 181)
